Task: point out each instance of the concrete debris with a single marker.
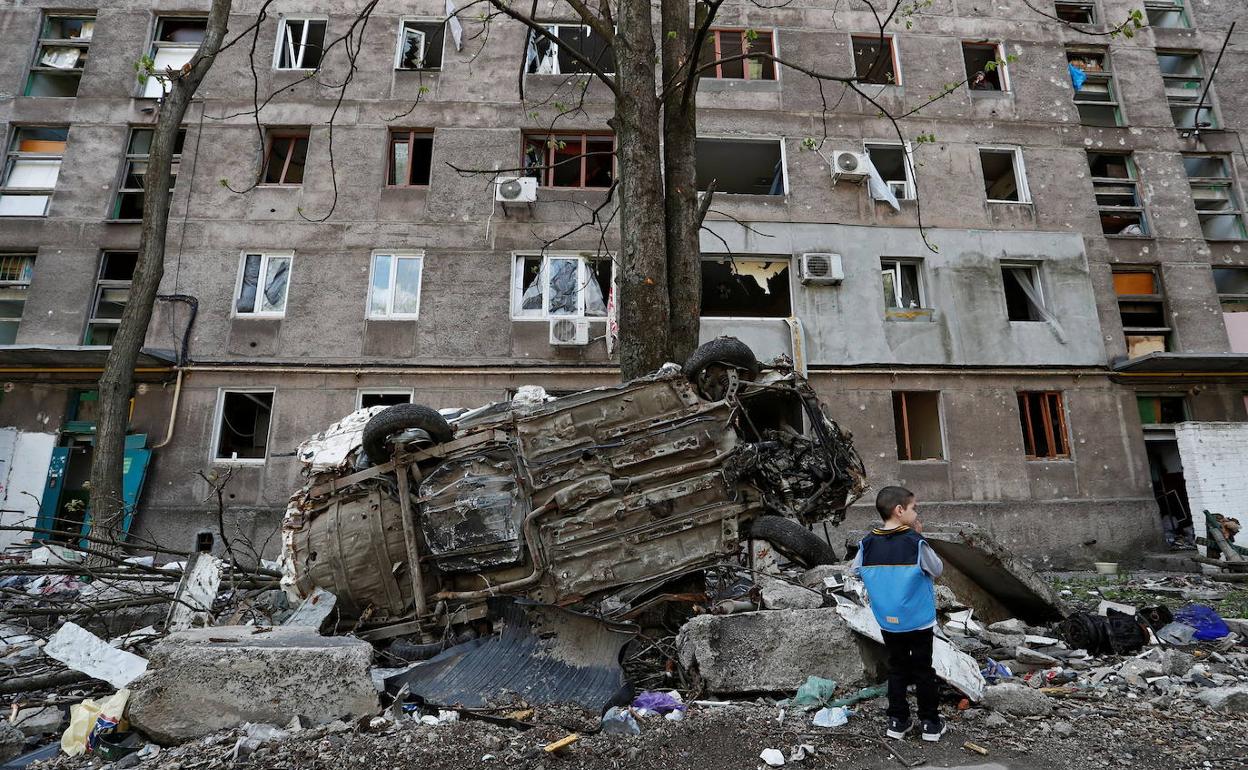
(314, 609)
(81, 650)
(39, 720)
(823, 576)
(779, 594)
(988, 577)
(1016, 700)
(1226, 698)
(11, 741)
(1035, 658)
(1012, 626)
(192, 604)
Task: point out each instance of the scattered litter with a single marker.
(1207, 622)
(773, 757)
(562, 743)
(814, 693)
(831, 717)
(83, 651)
(620, 721)
(90, 719)
(975, 747)
(659, 702)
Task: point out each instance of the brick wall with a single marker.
(1215, 466)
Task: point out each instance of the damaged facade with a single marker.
(1088, 293)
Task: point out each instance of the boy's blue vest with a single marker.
(903, 596)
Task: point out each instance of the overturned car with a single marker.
(414, 518)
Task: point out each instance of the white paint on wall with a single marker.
(1215, 467)
(24, 459)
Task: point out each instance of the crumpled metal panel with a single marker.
(545, 655)
(471, 511)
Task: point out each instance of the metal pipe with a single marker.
(173, 412)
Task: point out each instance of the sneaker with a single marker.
(933, 729)
(897, 728)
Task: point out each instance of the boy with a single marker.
(898, 566)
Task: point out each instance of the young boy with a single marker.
(898, 566)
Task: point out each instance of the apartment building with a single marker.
(1045, 274)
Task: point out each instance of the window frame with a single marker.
(716, 72)
(294, 134)
(1132, 180)
(84, 44)
(13, 154)
(219, 419)
(398, 45)
(911, 189)
(875, 39)
(546, 176)
(411, 134)
(1157, 397)
(131, 157)
(1226, 182)
(158, 44)
(102, 284)
(1020, 173)
(265, 257)
(1229, 297)
(1105, 76)
(1094, 15)
(1158, 297)
(1173, 102)
(1062, 424)
(283, 22)
(361, 392)
(1037, 276)
(28, 274)
(753, 139)
(897, 263)
(396, 255)
(1002, 68)
(1168, 6)
(905, 420)
(584, 274)
(554, 27)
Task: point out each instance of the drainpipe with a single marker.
(181, 362)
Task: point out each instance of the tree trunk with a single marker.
(117, 379)
(645, 310)
(680, 133)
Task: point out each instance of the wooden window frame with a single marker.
(746, 45)
(101, 285)
(888, 40)
(546, 176)
(158, 44)
(409, 135)
(141, 157)
(21, 282)
(1049, 400)
(901, 395)
(1157, 297)
(1189, 101)
(294, 134)
(1002, 69)
(14, 153)
(1168, 6)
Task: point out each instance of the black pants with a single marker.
(910, 662)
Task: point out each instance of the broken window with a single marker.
(395, 285)
(300, 43)
(1184, 77)
(875, 60)
(243, 419)
(735, 45)
(1004, 180)
(1213, 192)
(175, 42)
(1161, 410)
(570, 160)
(1024, 298)
(16, 270)
(903, 284)
(1075, 11)
(560, 285)
(411, 158)
(129, 201)
(544, 57)
(985, 67)
(916, 419)
(286, 156)
(746, 287)
(741, 166)
(31, 169)
(366, 398)
(60, 55)
(1043, 421)
(1232, 287)
(892, 161)
(420, 44)
(112, 292)
(263, 281)
(1096, 96)
(1170, 14)
(1117, 192)
(1142, 308)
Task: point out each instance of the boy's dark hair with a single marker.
(891, 497)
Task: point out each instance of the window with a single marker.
(742, 166)
(732, 43)
(903, 284)
(370, 397)
(1024, 297)
(543, 57)
(875, 60)
(1004, 180)
(31, 169)
(286, 156)
(112, 292)
(570, 160)
(1167, 13)
(1044, 425)
(411, 158)
(1075, 11)
(1117, 191)
(1232, 286)
(243, 419)
(176, 41)
(916, 419)
(892, 160)
(985, 67)
(300, 43)
(395, 286)
(64, 43)
(1184, 78)
(420, 44)
(1143, 311)
(263, 282)
(746, 287)
(16, 271)
(1096, 96)
(1213, 192)
(560, 285)
(1161, 410)
(129, 201)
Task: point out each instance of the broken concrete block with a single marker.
(208, 679)
(11, 741)
(946, 600)
(1238, 625)
(1009, 626)
(773, 651)
(778, 594)
(1035, 658)
(1016, 699)
(1225, 698)
(1001, 640)
(1177, 662)
(988, 577)
(1136, 670)
(815, 576)
(39, 720)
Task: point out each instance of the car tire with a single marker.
(398, 418)
(727, 352)
(793, 540)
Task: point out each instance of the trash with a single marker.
(562, 743)
(975, 747)
(865, 693)
(90, 719)
(83, 651)
(1177, 633)
(1106, 605)
(674, 716)
(773, 757)
(1100, 634)
(994, 671)
(831, 717)
(814, 693)
(659, 702)
(1034, 658)
(264, 732)
(619, 721)
(800, 752)
(112, 746)
(1207, 622)
(54, 554)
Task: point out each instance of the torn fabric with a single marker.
(1033, 295)
(452, 21)
(877, 187)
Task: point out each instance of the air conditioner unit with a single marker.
(515, 189)
(849, 166)
(822, 268)
(569, 331)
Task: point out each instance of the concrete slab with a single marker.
(988, 577)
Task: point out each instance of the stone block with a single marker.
(779, 594)
(1016, 699)
(1226, 698)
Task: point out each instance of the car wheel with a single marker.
(708, 366)
(398, 418)
(793, 540)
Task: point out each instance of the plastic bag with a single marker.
(658, 702)
(618, 721)
(831, 717)
(1176, 633)
(815, 693)
(1207, 622)
(89, 720)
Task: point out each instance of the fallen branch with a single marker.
(40, 681)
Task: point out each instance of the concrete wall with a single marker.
(1215, 467)
(24, 460)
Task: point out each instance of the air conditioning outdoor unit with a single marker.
(849, 166)
(515, 189)
(569, 331)
(822, 268)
